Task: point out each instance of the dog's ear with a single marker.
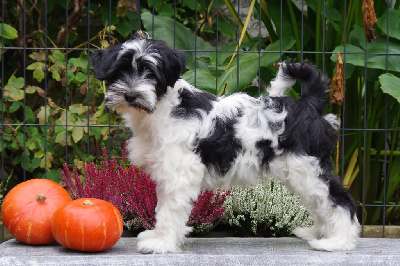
(104, 60)
(174, 64)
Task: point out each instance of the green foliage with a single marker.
(389, 85)
(7, 31)
(357, 47)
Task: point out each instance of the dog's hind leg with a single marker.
(176, 192)
(335, 224)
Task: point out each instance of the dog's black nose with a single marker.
(130, 97)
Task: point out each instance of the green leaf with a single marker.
(30, 117)
(390, 85)
(80, 77)
(61, 137)
(157, 4)
(204, 80)
(273, 51)
(56, 75)
(31, 165)
(373, 55)
(124, 28)
(105, 133)
(167, 10)
(57, 57)
(237, 77)
(70, 77)
(82, 61)
(38, 70)
(37, 34)
(45, 163)
(394, 23)
(96, 132)
(248, 67)
(39, 154)
(15, 83)
(15, 106)
(38, 56)
(77, 134)
(167, 30)
(330, 12)
(13, 89)
(54, 175)
(225, 27)
(43, 115)
(17, 159)
(191, 4)
(63, 119)
(227, 51)
(7, 31)
(32, 89)
(77, 108)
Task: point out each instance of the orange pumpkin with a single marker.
(87, 224)
(28, 208)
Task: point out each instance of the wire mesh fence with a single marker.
(52, 108)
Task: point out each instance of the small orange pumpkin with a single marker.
(87, 224)
(28, 208)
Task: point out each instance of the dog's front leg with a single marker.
(175, 199)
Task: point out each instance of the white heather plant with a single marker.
(267, 207)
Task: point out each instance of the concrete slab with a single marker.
(208, 251)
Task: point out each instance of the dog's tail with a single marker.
(315, 85)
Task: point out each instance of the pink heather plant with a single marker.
(132, 191)
(208, 211)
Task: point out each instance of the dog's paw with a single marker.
(152, 241)
(332, 244)
(306, 233)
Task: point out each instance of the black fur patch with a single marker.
(220, 150)
(265, 151)
(306, 131)
(338, 194)
(192, 103)
(104, 60)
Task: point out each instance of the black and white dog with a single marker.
(188, 139)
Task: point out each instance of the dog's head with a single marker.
(137, 72)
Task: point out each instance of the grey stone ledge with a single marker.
(208, 251)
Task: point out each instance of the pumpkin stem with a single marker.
(87, 202)
(40, 198)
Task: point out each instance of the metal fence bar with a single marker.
(2, 173)
(24, 101)
(88, 79)
(343, 107)
(46, 58)
(66, 81)
(386, 130)
(216, 51)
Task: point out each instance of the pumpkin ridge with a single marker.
(117, 216)
(105, 235)
(28, 234)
